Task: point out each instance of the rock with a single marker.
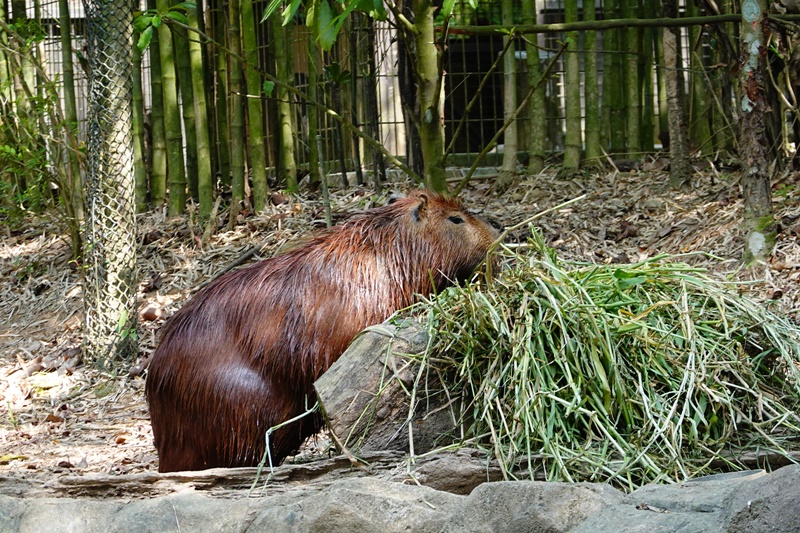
(531, 506)
(177, 512)
(370, 504)
(361, 506)
(743, 501)
(769, 503)
(456, 472)
(365, 394)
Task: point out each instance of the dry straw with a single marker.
(622, 373)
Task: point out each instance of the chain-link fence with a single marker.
(110, 285)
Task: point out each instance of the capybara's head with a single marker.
(429, 233)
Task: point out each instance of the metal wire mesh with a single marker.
(110, 284)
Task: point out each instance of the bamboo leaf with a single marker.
(290, 11)
(325, 29)
(145, 38)
(177, 15)
(271, 8)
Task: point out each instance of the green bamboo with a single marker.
(663, 119)
(237, 110)
(205, 177)
(176, 174)
(287, 169)
(591, 89)
(70, 109)
(722, 120)
(27, 74)
(314, 155)
(355, 104)
(5, 88)
(222, 97)
(186, 91)
(18, 63)
(572, 140)
(139, 167)
(680, 170)
(255, 112)
(371, 92)
(431, 127)
(699, 119)
(510, 144)
(613, 110)
(537, 124)
(646, 63)
(633, 95)
(158, 169)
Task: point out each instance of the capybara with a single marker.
(242, 355)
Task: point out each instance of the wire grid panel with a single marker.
(110, 248)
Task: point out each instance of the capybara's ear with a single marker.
(395, 196)
(419, 211)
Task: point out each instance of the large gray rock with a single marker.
(530, 506)
(745, 501)
(187, 511)
(360, 506)
(769, 503)
(365, 395)
(368, 504)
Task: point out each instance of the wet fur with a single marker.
(243, 354)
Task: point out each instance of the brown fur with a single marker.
(243, 354)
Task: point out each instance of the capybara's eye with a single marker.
(455, 219)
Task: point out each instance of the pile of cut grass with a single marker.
(651, 372)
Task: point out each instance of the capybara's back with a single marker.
(243, 354)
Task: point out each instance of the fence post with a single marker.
(110, 252)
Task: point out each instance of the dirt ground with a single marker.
(60, 416)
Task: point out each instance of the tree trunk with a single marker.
(572, 141)
(759, 222)
(591, 90)
(176, 174)
(110, 260)
(510, 147)
(431, 119)
(680, 171)
(255, 111)
(158, 171)
(287, 168)
(237, 111)
(205, 177)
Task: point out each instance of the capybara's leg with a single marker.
(222, 419)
